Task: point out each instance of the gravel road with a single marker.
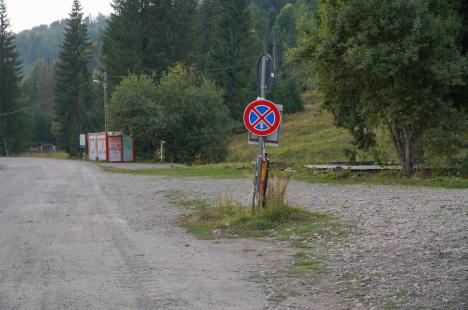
(73, 237)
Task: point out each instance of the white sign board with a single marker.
(82, 140)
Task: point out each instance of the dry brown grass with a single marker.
(276, 193)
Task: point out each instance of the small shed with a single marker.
(111, 146)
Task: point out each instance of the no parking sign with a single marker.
(262, 117)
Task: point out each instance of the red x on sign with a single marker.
(262, 117)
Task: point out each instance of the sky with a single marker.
(25, 14)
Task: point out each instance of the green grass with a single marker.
(57, 155)
(346, 177)
(304, 266)
(278, 297)
(306, 137)
(342, 177)
(182, 200)
(220, 171)
(231, 220)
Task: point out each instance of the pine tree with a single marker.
(12, 117)
(72, 89)
(233, 53)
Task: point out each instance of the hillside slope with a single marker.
(44, 41)
(308, 136)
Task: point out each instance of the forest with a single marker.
(398, 68)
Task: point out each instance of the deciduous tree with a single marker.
(388, 63)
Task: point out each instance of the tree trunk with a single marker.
(403, 141)
(408, 158)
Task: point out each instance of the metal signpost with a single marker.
(104, 84)
(82, 144)
(162, 150)
(262, 118)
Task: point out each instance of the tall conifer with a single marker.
(72, 90)
(233, 52)
(12, 117)
(148, 36)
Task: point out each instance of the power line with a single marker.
(201, 69)
(42, 102)
(205, 69)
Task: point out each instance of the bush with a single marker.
(191, 117)
(184, 109)
(132, 109)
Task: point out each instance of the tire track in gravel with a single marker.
(137, 278)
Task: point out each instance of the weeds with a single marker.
(216, 171)
(345, 177)
(342, 177)
(228, 219)
(54, 155)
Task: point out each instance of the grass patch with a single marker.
(217, 171)
(339, 177)
(310, 136)
(278, 297)
(304, 266)
(301, 255)
(231, 220)
(57, 155)
(227, 219)
(347, 177)
(182, 200)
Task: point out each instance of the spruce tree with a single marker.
(206, 14)
(233, 53)
(124, 41)
(72, 89)
(148, 36)
(12, 116)
(33, 92)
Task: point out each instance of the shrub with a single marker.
(184, 109)
(191, 117)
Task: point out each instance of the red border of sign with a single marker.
(269, 104)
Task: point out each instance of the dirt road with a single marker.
(66, 243)
(74, 237)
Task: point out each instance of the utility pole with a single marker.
(274, 50)
(6, 149)
(162, 150)
(106, 112)
(78, 117)
(105, 94)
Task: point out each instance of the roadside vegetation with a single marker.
(227, 218)
(220, 171)
(190, 81)
(437, 178)
(311, 136)
(442, 178)
(309, 232)
(54, 155)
